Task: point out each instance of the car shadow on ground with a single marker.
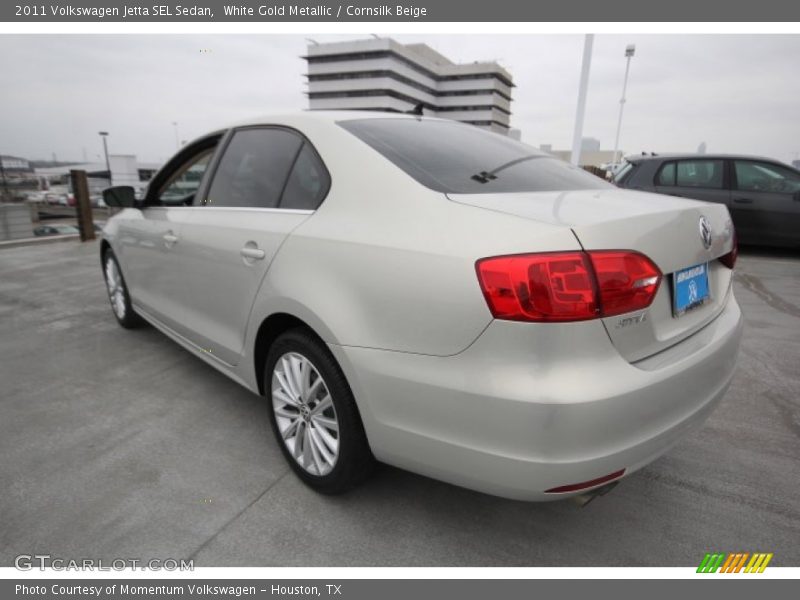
(769, 252)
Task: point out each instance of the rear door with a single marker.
(763, 204)
(267, 181)
(695, 178)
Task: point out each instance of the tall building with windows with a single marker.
(382, 74)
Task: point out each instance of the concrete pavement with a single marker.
(119, 444)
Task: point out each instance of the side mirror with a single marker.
(120, 196)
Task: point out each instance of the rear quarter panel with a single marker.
(386, 263)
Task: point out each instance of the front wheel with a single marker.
(118, 292)
(314, 415)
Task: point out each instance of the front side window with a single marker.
(451, 157)
(254, 169)
(184, 183)
(765, 177)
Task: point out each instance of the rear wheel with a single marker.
(314, 415)
(118, 292)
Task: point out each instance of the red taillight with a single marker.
(539, 287)
(567, 286)
(627, 281)
(729, 260)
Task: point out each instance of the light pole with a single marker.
(5, 182)
(177, 143)
(104, 135)
(630, 49)
(582, 90)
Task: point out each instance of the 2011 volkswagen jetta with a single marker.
(434, 296)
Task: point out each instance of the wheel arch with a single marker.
(268, 331)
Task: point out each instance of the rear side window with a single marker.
(666, 176)
(452, 157)
(253, 170)
(699, 173)
(308, 182)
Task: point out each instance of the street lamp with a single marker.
(104, 135)
(630, 49)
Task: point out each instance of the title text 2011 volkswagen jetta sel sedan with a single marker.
(434, 296)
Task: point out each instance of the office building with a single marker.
(382, 74)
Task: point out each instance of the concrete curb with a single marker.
(39, 240)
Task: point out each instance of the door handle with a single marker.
(252, 253)
(170, 239)
(742, 200)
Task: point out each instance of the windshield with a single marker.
(622, 174)
(453, 157)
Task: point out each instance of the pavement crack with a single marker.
(755, 285)
(230, 521)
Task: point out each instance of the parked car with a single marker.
(34, 197)
(762, 195)
(55, 230)
(434, 296)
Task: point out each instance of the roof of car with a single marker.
(635, 158)
(329, 116)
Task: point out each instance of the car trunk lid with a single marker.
(666, 230)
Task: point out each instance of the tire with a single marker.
(310, 429)
(118, 292)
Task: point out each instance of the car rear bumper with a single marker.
(531, 407)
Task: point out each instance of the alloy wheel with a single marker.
(305, 414)
(116, 290)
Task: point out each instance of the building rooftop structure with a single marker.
(382, 74)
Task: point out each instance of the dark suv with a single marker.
(762, 195)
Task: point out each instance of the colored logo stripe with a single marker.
(710, 563)
(734, 561)
(758, 563)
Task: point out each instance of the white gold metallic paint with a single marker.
(384, 273)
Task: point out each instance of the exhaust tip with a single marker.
(584, 499)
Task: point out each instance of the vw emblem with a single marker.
(705, 232)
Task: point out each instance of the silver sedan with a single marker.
(433, 296)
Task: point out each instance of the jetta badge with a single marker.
(705, 232)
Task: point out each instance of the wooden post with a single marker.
(80, 187)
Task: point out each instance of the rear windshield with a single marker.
(452, 157)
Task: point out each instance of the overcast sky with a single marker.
(736, 93)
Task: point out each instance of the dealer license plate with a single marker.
(689, 288)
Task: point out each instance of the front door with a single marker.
(152, 247)
(764, 203)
